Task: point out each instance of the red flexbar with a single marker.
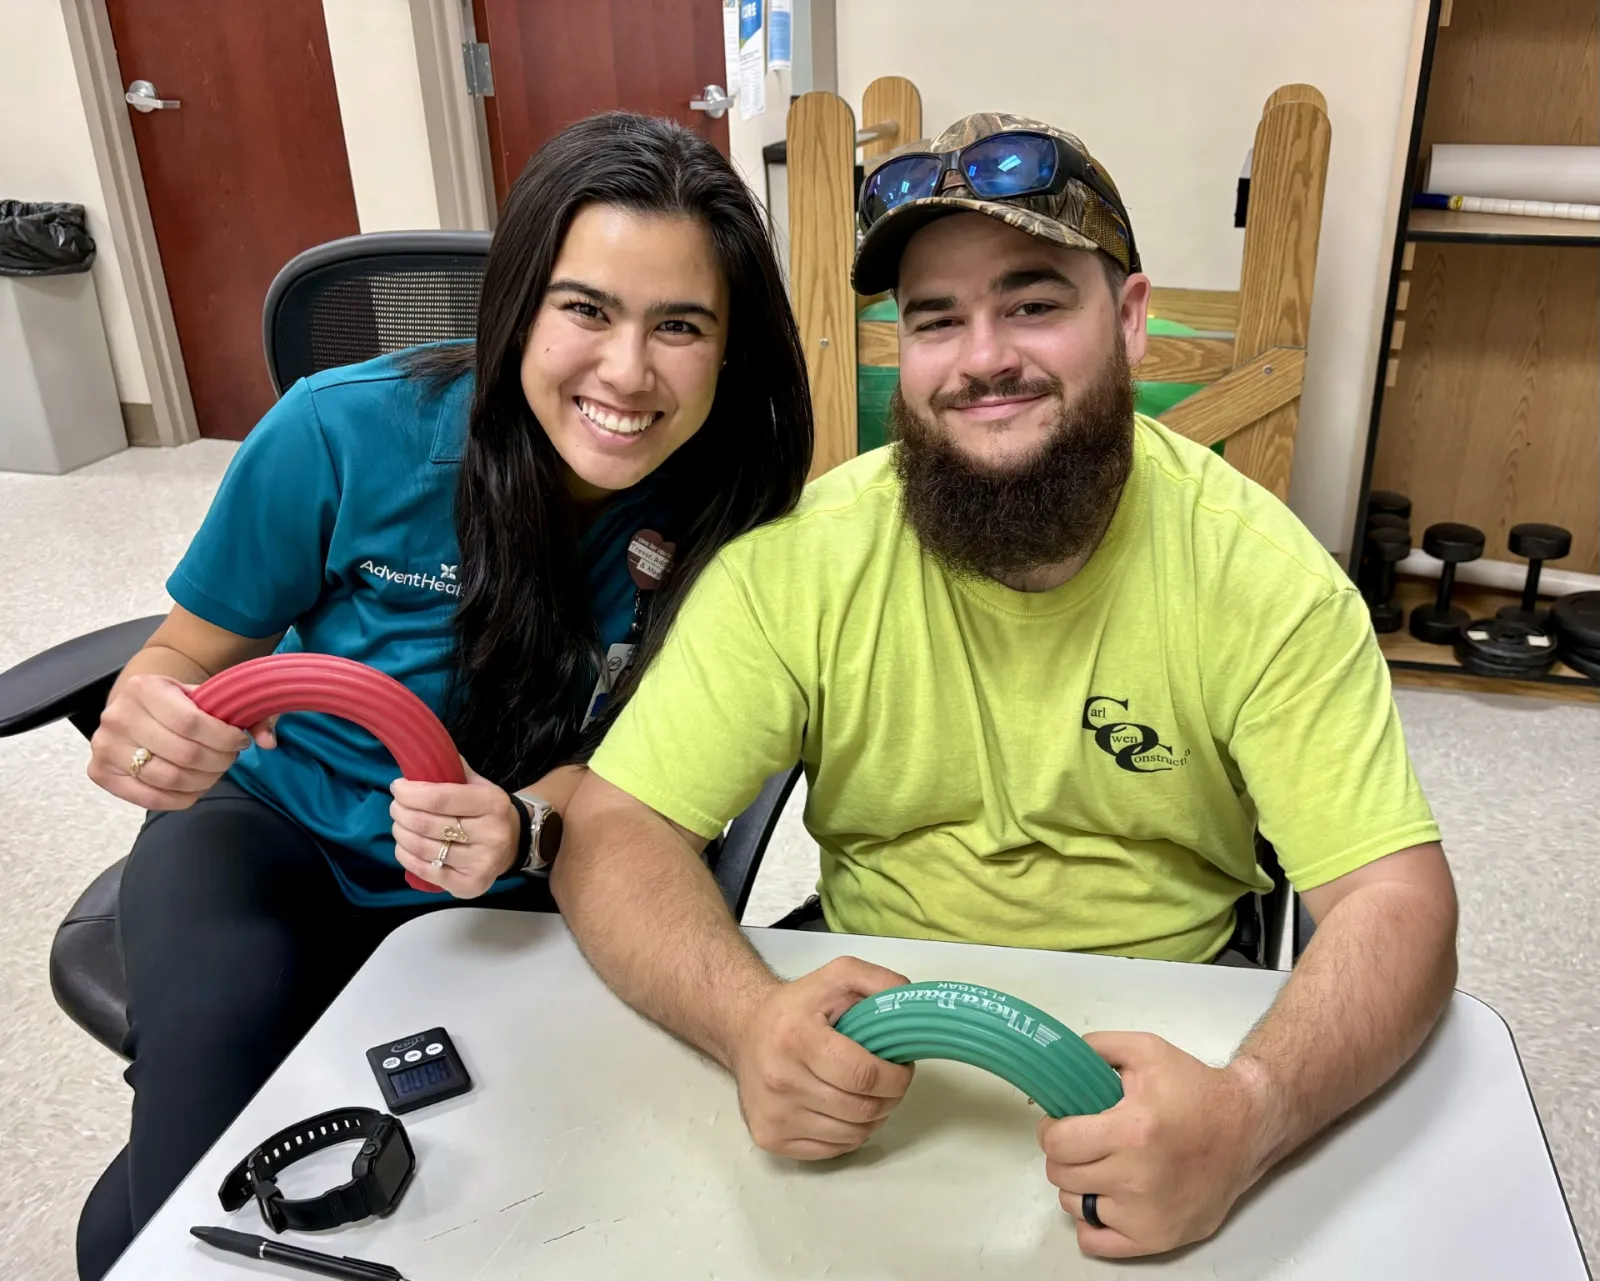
(252, 691)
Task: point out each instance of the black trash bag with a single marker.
(43, 239)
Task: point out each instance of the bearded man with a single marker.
(1050, 670)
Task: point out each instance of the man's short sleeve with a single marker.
(717, 714)
(259, 559)
(1320, 747)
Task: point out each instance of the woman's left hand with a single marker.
(426, 815)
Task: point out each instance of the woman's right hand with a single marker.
(188, 750)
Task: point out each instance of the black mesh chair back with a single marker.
(364, 296)
(735, 856)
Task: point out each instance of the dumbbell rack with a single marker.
(1486, 408)
(1417, 662)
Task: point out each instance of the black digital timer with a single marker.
(418, 1070)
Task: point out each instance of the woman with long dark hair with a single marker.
(501, 526)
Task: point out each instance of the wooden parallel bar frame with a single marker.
(822, 240)
(1213, 309)
(1251, 348)
(890, 100)
(878, 343)
(1288, 178)
(1170, 359)
(1248, 395)
(821, 136)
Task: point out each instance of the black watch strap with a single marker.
(256, 1176)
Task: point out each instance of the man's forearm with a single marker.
(557, 787)
(650, 919)
(1359, 1004)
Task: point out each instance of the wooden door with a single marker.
(557, 61)
(246, 172)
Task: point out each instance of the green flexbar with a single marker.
(1016, 1041)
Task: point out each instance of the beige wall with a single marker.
(45, 154)
(746, 138)
(380, 101)
(1167, 94)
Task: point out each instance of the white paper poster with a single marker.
(752, 60)
(730, 45)
(780, 38)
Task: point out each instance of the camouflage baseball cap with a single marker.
(1077, 217)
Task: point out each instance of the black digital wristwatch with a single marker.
(380, 1173)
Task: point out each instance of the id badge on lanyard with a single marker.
(649, 556)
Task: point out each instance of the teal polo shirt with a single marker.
(335, 525)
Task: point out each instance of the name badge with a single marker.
(617, 659)
(649, 556)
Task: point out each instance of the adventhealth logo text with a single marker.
(444, 581)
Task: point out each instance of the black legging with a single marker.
(235, 937)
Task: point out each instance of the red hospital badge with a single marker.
(649, 556)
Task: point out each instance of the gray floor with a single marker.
(1510, 779)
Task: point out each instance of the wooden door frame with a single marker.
(456, 142)
(94, 58)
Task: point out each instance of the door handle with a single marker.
(142, 96)
(714, 100)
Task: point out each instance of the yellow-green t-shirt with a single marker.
(1080, 769)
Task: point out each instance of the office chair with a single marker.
(364, 296)
(339, 303)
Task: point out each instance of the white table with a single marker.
(594, 1145)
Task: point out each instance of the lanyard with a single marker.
(649, 556)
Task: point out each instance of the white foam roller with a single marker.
(1515, 173)
(1501, 575)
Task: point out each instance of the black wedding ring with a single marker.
(1091, 1213)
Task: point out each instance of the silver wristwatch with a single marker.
(545, 834)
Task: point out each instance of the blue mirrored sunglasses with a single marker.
(999, 167)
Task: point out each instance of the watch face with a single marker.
(272, 1209)
(549, 843)
(392, 1164)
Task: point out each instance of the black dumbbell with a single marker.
(1454, 544)
(1368, 570)
(1388, 548)
(1367, 573)
(1388, 502)
(1535, 544)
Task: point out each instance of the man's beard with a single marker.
(1048, 508)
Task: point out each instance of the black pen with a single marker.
(254, 1247)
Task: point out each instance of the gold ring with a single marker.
(141, 758)
(455, 833)
(442, 857)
